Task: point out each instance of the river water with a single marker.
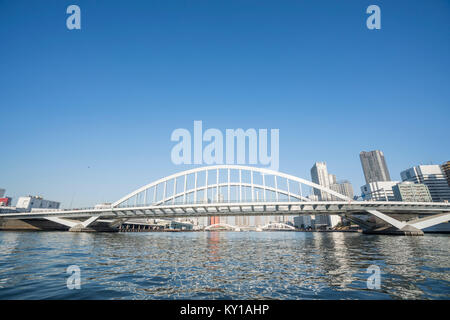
(223, 265)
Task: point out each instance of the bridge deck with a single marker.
(244, 208)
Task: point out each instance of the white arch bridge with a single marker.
(276, 226)
(234, 190)
(222, 226)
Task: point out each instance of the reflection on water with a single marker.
(222, 265)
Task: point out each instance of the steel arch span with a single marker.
(224, 183)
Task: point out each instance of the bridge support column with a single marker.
(395, 227)
(77, 228)
(83, 226)
(389, 230)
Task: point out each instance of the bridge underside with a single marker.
(374, 225)
(61, 224)
(395, 224)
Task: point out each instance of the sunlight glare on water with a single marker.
(222, 265)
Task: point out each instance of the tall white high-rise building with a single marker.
(374, 166)
(433, 177)
(319, 175)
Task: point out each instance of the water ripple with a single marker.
(223, 265)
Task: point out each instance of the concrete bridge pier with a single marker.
(77, 228)
(389, 225)
(92, 224)
(98, 226)
(390, 230)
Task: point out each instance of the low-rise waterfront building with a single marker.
(178, 225)
(29, 202)
(162, 224)
(304, 221)
(413, 192)
(5, 202)
(433, 177)
(102, 206)
(446, 168)
(326, 221)
(379, 191)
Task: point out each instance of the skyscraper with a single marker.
(374, 166)
(319, 175)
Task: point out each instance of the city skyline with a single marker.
(89, 113)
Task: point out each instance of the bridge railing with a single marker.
(224, 202)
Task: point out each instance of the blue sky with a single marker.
(87, 114)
